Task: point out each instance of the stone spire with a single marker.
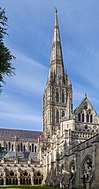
(58, 88)
(56, 58)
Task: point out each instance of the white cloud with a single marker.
(9, 104)
(24, 117)
(13, 111)
(29, 79)
(30, 75)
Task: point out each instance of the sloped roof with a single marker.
(24, 155)
(10, 155)
(12, 133)
(33, 155)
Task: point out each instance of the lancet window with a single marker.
(82, 117)
(79, 117)
(62, 96)
(57, 95)
(91, 118)
(32, 147)
(57, 116)
(63, 113)
(87, 118)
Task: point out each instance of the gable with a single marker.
(85, 112)
(85, 105)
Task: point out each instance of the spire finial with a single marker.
(85, 94)
(56, 58)
(55, 10)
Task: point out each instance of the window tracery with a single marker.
(86, 170)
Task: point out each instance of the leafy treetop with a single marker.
(5, 54)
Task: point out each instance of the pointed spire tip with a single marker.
(55, 10)
(85, 94)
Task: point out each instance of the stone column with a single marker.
(18, 176)
(14, 149)
(78, 170)
(32, 178)
(18, 180)
(4, 180)
(26, 146)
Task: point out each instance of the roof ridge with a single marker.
(19, 129)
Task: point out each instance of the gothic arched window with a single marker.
(83, 117)
(35, 149)
(57, 116)
(87, 118)
(63, 113)
(91, 118)
(18, 147)
(24, 147)
(53, 94)
(79, 117)
(21, 147)
(87, 169)
(12, 147)
(62, 96)
(57, 95)
(9, 146)
(32, 147)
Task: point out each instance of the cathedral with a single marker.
(66, 152)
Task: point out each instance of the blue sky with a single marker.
(30, 28)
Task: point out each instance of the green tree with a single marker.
(5, 54)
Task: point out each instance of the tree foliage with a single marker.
(5, 54)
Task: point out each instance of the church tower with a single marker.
(57, 98)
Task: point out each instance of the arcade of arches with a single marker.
(20, 177)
